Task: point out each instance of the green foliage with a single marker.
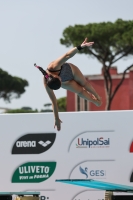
(11, 86)
(46, 110)
(111, 39)
(21, 111)
(47, 104)
(26, 108)
(61, 107)
(61, 104)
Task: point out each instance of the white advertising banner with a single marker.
(90, 145)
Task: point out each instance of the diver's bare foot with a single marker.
(97, 100)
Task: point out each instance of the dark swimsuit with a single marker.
(65, 72)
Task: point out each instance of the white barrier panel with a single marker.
(90, 145)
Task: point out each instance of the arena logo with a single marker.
(92, 173)
(34, 143)
(98, 143)
(25, 144)
(31, 143)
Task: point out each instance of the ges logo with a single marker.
(97, 174)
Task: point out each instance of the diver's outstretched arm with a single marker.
(54, 106)
(59, 61)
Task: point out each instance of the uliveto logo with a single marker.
(33, 172)
(98, 143)
(34, 143)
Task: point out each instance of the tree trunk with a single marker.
(108, 99)
(108, 86)
(108, 103)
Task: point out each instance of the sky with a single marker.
(30, 32)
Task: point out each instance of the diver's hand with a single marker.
(58, 124)
(86, 44)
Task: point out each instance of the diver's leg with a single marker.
(80, 79)
(73, 86)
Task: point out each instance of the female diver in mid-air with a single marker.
(68, 76)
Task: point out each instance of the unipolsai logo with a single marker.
(34, 143)
(97, 143)
(33, 172)
(92, 173)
